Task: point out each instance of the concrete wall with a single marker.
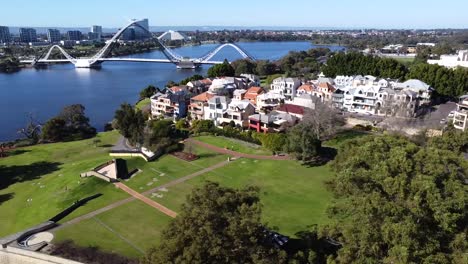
(95, 174)
(131, 155)
(11, 255)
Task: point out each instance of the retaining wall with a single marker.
(12, 255)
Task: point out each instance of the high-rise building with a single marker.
(74, 35)
(96, 33)
(53, 35)
(142, 30)
(5, 36)
(28, 35)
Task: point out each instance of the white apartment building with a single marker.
(460, 118)
(373, 96)
(217, 107)
(452, 61)
(269, 100)
(238, 112)
(286, 86)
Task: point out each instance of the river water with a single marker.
(44, 92)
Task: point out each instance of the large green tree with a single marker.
(161, 135)
(244, 66)
(224, 69)
(216, 225)
(399, 203)
(131, 123)
(149, 91)
(70, 124)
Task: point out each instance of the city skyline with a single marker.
(293, 14)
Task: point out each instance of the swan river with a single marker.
(44, 92)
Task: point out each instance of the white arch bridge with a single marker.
(171, 56)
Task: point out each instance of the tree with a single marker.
(399, 203)
(265, 68)
(223, 69)
(76, 123)
(216, 225)
(54, 130)
(32, 130)
(323, 120)
(130, 123)
(171, 84)
(149, 91)
(244, 66)
(303, 143)
(182, 124)
(70, 124)
(200, 126)
(161, 135)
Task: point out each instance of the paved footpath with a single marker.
(146, 200)
(234, 153)
(127, 200)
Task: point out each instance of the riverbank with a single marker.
(44, 92)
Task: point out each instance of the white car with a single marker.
(451, 114)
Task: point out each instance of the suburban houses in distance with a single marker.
(241, 102)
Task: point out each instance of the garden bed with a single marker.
(185, 156)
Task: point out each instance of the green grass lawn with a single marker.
(124, 230)
(143, 103)
(49, 177)
(168, 168)
(294, 196)
(234, 145)
(404, 60)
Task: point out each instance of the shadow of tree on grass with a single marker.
(5, 197)
(20, 173)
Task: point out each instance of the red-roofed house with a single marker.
(306, 89)
(197, 104)
(295, 110)
(176, 89)
(252, 94)
(324, 91)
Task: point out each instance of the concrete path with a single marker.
(146, 200)
(234, 153)
(127, 200)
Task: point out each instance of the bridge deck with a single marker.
(122, 60)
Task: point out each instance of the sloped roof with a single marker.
(290, 108)
(253, 92)
(203, 97)
(327, 86)
(306, 87)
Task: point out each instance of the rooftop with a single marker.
(290, 108)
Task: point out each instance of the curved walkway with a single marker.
(234, 153)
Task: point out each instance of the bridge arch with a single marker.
(168, 53)
(213, 53)
(68, 56)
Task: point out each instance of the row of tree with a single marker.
(446, 82)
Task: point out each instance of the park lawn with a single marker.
(135, 223)
(234, 145)
(141, 104)
(168, 168)
(294, 196)
(404, 60)
(343, 137)
(48, 176)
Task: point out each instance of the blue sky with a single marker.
(297, 13)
